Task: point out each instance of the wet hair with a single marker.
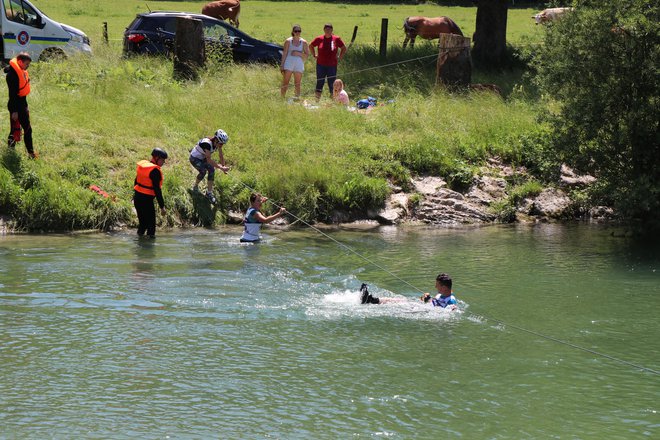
(254, 197)
(444, 280)
(24, 56)
(295, 26)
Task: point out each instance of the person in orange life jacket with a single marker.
(18, 83)
(445, 297)
(254, 219)
(200, 159)
(148, 184)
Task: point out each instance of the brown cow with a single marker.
(428, 28)
(224, 10)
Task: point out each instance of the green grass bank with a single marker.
(94, 118)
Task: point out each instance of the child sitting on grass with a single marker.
(339, 95)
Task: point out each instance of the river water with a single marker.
(196, 336)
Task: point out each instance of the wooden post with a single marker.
(383, 38)
(454, 67)
(105, 32)
(189, 51)
(355, 29)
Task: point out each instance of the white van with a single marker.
(25, 28)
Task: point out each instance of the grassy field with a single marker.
(94, 118)
(272, 21)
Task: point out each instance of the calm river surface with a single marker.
(195, 336)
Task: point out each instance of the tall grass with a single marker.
(94, 118)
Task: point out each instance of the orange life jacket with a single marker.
(23, 78)
(143, 183)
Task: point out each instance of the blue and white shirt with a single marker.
(252, 226)
(444, 301)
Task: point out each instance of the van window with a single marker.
(20, 12)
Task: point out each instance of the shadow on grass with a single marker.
(12, 161)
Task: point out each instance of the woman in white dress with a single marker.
(294, 54)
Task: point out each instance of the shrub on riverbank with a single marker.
(601, 65)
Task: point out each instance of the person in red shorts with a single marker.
(328, 49)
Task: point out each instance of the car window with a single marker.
(167, 24)
(215, 30)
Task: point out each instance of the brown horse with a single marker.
(224, 10)
(428, 28)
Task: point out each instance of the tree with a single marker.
(489, 48)
(600, 67)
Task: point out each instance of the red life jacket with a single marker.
(143, 183)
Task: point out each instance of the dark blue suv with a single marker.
(154, 33)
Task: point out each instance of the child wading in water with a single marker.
(338, 93)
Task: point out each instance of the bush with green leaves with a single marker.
(599, 68)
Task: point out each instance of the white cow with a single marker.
(550, 14)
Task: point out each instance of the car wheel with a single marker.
(52, 54)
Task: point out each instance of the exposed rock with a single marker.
(486, 190)
(234, 217)
(450, 207)
(6, 224)
(390, 216)
(440, 205)
(429, 184)
(553, 203)
(570, 179)
(525, 206)
(396, 209)
(601, 213)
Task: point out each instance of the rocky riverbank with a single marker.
(489, 199)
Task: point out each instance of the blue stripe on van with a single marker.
(53, 39)
(37, 39)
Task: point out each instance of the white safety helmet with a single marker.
(221, 136)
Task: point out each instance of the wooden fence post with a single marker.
(355, 29)
(454, 67)
(189, 51)
(105, 32)
(383, 37)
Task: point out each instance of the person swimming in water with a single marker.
(445, 297)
